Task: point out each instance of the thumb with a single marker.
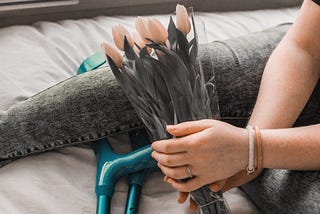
(182, 197)
(191, 127)
(193, 205)
(218, 185)
(239, 179)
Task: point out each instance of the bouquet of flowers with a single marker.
(162, 78)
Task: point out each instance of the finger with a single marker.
(191, 127)
(239, 179)
(182, 197)
(217, 186)
(174, 172)
(169, 146)
(165, 178)
(193, 205)
(236, 180)
(170, 160)
(190, 185)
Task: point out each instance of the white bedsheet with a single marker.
(33, 58)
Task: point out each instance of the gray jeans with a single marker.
(91, 106)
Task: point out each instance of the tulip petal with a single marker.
(141, 25)
(138, 40)
(118, 33)
(158, 32)
(113, 54)
(183, 22)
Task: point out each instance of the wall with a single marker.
(29, 11)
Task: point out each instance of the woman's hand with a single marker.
(211, 149)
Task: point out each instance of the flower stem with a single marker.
(210, 202)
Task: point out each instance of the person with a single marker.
(213, 150)
(91, 106)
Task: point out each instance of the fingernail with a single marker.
(169, 126)
(152, 144)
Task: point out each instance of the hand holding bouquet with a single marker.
(162, 77)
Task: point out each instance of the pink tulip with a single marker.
(140, 42)
(183, 22)
(119, 32)
(141, 25)
(158, 32)
(113, 54)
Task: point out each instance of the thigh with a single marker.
(81, 109)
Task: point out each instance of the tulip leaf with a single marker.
(193, 53)
(150, 40)
(192, 41)
(115, 70)
(161, 90)
(130, 53)
(143, 52)
(137, 45)
(172, 36)
(194, 44)
(183, 47)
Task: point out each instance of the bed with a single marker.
(37, 56)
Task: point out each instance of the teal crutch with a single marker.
(112, 166)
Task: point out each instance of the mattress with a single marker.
(35, 57)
